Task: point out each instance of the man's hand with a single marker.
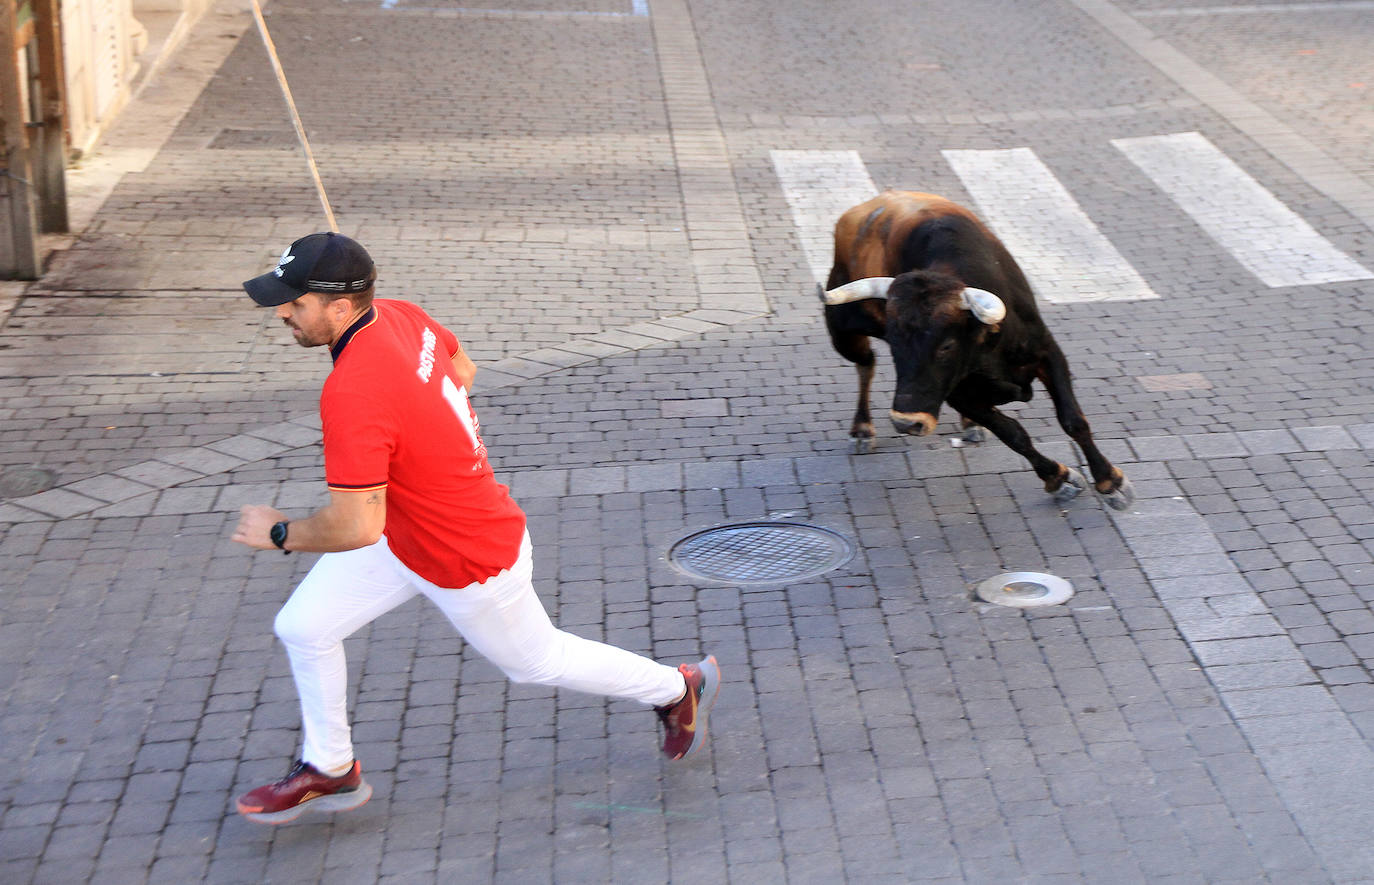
(255, 526)
(350, 520)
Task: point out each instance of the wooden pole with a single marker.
(295, 117)
(51, 160)
(18, 236)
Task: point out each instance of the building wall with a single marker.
(100, 52)
(109, 47)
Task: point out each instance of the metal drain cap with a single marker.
(1025, 589)
(760, 552)
(20, 482)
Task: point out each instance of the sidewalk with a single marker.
(582, 196)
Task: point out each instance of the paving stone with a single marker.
(1363, 434)
(596, 480)
(246, 448)
(652, 361)
(1215, 445)
(107, 487)
(61, 502)
(1269, 442)
(816, 470)
(11, 513)
(548, 483)
(288, 434)
(158, 474)
(1159, 448)
(1323, 439)
(711, 475)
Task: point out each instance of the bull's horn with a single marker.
(868, 287)
(987, 307)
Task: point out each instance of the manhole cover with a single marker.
(1025, 589)
(20, 482)
(760, 552)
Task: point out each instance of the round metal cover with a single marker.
(20, 482)
(1025, 589)
(760, 552)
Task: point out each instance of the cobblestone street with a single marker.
(622, 207)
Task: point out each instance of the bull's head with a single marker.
(935, 329)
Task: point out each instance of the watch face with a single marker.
(278, 534)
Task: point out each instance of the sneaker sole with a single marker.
(710, 687)
(330, 803)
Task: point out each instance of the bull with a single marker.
(924, 274)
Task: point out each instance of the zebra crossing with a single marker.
(1270, 240)
(819, 186)
(1067, 257)
(1051, 236)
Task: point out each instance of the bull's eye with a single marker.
(946, 349)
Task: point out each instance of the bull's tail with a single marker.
(820, 292)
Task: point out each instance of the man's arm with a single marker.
(465, 368)
(350, 520)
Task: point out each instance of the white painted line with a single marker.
(1192, 11)
(1288, 146)
(819, 186)
(1067, 259)
(1264, 235)
(1261, 676)
(304, 431)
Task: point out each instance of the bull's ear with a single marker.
(987, 307)
(868, 287)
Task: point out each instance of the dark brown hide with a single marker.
(935, 248)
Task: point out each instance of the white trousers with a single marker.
(501, 617)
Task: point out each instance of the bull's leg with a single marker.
(857, 349)
(850, 328)
(1108, 479)
(861, 430)
(1060, 480)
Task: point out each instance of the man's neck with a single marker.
(347, 324)
(356, 321)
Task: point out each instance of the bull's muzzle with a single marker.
(913, 423)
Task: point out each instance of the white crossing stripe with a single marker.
(819, 186)
(1263, 234)
(1065, 256)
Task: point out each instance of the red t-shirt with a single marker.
(395, 417)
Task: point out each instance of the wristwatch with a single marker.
(278, 536)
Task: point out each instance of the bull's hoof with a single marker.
(1070, 487)
(861, 435)
(1122, 497)
(974, 433)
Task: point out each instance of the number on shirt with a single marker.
(458, 399)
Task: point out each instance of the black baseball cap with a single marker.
(326, 262)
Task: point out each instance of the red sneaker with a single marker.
(684, 723)
(305, 787)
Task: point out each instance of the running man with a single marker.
(413, 508)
